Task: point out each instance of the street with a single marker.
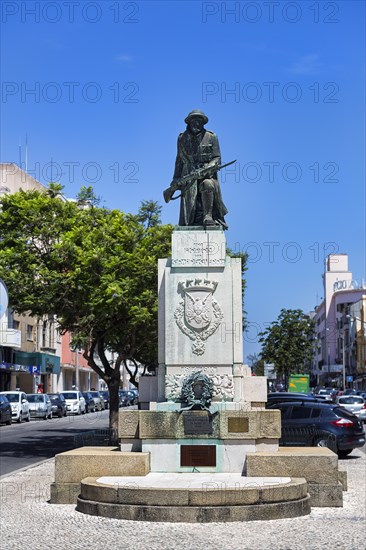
(31, 442)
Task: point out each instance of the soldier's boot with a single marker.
(207, 204)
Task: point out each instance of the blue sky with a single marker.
(283, 85)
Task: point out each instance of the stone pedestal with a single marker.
(200, 312)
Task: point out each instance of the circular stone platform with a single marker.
(194, 497)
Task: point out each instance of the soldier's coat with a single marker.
(195, 151)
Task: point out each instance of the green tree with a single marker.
(87, 198)
(252, 359)
(288, 343)
(256, 364)
(96, 269)
(149, 213)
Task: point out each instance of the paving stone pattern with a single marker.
(28, 521)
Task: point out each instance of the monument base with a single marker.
(194, 498)
(216, 441)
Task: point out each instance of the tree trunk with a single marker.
(113, 387)
(112, 377)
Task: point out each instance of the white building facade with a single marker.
(335, 360)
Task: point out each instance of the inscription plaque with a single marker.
(198, 248)
(237, 424)
(198, 455)
(195, 425)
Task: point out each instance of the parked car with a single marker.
(313, 424)
(19, 405)
(105, 395)
(58, 404)
(125, 398)
(324, 393)
(5, 410)
(75, 402)
(134, 393)
(334, 394)
(286, 397)
(39, 405)
(98, 399)
(89, 402)
(350, 391)
(354, 404)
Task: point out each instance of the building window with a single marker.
(16, 325)
(29, 332)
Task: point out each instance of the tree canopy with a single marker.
(288, 343)
(94, 268)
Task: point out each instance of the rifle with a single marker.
(184, 183)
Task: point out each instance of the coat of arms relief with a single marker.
(198, 314)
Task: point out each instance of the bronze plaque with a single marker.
(197, 424)
(237, 424)
(198, 455)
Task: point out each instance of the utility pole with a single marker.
(344, 362)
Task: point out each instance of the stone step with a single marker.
(194, 498)
(72, 466)
(318, 465)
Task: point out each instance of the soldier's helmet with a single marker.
(196, 113)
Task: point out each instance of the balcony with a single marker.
(10, 338)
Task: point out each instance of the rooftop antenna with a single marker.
(26, 153)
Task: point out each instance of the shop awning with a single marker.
(47, 363)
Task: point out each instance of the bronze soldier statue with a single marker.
(195, 175)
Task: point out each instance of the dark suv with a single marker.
(310, 424)
(124, 398)
(58, 404)
(286, 397)
(89, 402)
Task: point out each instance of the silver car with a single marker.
(40, 405)
(324, 393)
(98, 399)
(354, 404)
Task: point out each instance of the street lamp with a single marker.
(328, 352)
(343, 362)
(77, 374)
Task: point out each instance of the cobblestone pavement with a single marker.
(29, 521)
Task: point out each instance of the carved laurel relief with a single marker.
(223, 386)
